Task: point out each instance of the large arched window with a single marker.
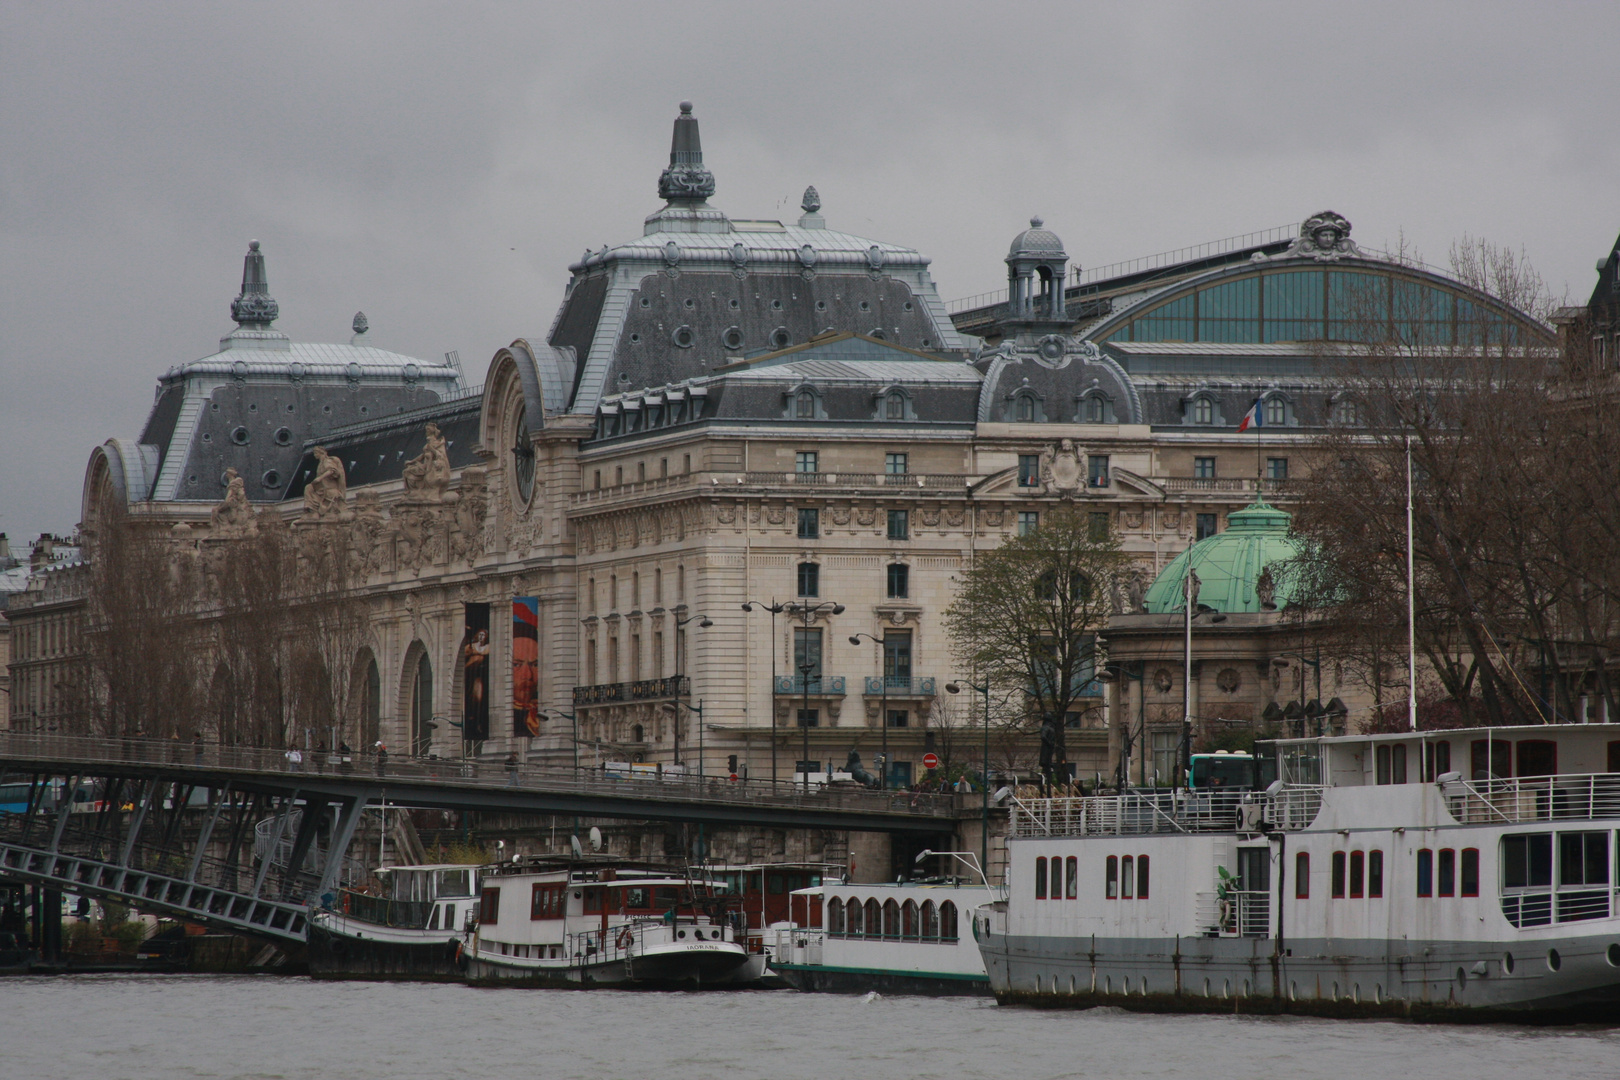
(371, 706)
(874, 918)
(855, 915)
(891, 919)
(947, 921)
(908, 920)
(930, 920)
(835, 916)
(422, 707)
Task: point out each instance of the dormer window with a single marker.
(1096, 408)
(894, 406)
(1276, 412)
(1203, 411)
(1024, 408)
(804, 405)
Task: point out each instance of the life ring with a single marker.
(626, 939)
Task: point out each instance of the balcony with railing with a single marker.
(1572, 797)
(882, 480)
(818, 685)
(1170, 811)
(640, 690)
(899, 686)
(1227, 485)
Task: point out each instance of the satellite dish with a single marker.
(573, 842)
(596, 838)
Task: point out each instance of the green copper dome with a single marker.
(1229, 564)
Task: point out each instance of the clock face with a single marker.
(523, 463)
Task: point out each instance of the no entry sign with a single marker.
(930, 761)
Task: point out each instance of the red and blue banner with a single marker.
(525, 666)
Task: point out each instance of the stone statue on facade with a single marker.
(324, 494)
(1136, 592)
(427, 476)
(1324, 236)
(1265, 589)
(467, 521)
(234, 516)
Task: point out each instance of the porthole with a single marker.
(1293, 991)
(1355, 992)
(646, 302)
(635, 339)
(683, 337)
(877, 332)
(364, 409)
(225, 479)
(689, 304)
(927, 344)
(1554, 961)
(1335, 996)
(732, 338)
(1614, 958)
(192, 479)
(214, 405)
(733, 304)
(207, 437)
(866, 305)
(1206, 988)
(283, 436)
(239, 435)
(1378, 993)
(1144, 986)
(907, 305)
(1108, 985)
(681, 934)
(253, 408)
(271, 479)
(326, 408)
(1071, 985)
(780, 338)
(1245, 987)
(289, 407)
(1226, 989)
(776, 305)
(821, 305)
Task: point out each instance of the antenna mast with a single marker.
(1411, 603)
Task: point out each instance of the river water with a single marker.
(179, 1027)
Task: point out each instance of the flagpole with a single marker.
(1411, 603)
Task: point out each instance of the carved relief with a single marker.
(467, 517)
(930, 518)
(840, 515)
(865, 516)
(775, 515)
(1061, 470)
(995, 519)
(725, 514)
(955, 518)
(1133, 519)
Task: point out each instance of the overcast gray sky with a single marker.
(439, 165)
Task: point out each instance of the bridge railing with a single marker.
(67, 752)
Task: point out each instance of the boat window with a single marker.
(1338, 875)
(1057, 879)
(1112, 889)
(452, 883)
(891, 919)
(855, 915)
(947, 921)
(874, 919)
(774, 885)
(1397, 763)
(1447, 873)
(1375, 874)
(930, 920)
(545, 902)
(1358, 875)
(666, 897)
(1381, 769)
(1583, 858)
(1425, 872)
(1141, 877)
(1302, 875)
(433, 920)
(1072, 870)
(815, 912)
(640, 899)
(1614, 757)
(835, 916)
(908, 920)
(1537, 757)
(593, 901)
(1490, 759)
(1127, 878)
(1040, 879)
(489, 907)
(1436, 760)
(1470, 872)
(1527, 861)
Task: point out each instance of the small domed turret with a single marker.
(1037, 267)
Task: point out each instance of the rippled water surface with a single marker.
(114, 1027)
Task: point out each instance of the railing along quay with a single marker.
(24, 753)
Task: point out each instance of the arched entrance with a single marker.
(422, 707)
(368, 712)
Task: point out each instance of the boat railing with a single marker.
(1574, 797)
(1291, 807)
(1248, 913)
(382, 911)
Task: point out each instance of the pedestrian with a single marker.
(197, 748)
(382, 759)
(295, 759)
(512, 768)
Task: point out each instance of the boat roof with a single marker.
(1518, 731)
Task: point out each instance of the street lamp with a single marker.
(575, 718)
(704, 622)
(883, 717)
(984, 814)
(676, 715)
(807, 611)
(1124, 670)
(775, 609)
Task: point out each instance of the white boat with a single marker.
(414, 929)
(908, 938)
(1438, 873)
(604, 922)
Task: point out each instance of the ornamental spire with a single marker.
(686, 180)
(253, 308)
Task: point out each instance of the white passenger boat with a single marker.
(906, 938)
(1428, 874)
(413, 929)
(604, 922)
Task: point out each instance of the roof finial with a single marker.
(253, 307)
(686, 180)
(812, 200)
(360, 323)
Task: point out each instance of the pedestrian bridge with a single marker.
(134, 820)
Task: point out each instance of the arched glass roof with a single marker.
(1357, 302)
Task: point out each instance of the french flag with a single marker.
(1252, 418)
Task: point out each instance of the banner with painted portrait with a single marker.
(475, 673)
(525, 666)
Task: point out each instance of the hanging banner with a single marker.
(475, 674)
(525, 666)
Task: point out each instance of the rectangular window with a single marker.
(804, 461)
(1028, 521)
(809, 579)
(686, 463)
(1141, 877)
(1057, 878)
(807, 656)
(596, 479)
(1029, 470)
(810, 718)
(899, 718)
(809, 524)
(1448, 873)
(1166, 750)
(1358, 875)
(1436, 760)
(1302, 875)
(618, 476)
(1527, 861)
(1127, 878)
(899, 580)
(1203, 468)
(1583, 858)
(896, 464)
(1276, 468)
(1381, 766)
(1040, 879)
(897, 659)
(1338, 875)
(1470, 872)
(1537, 757)
(1206, 526)
(489, 907)
(1071, 870)
(1490, 759)
(1375, 874)
(1425, 872)
(1397, 770)
(899, 525)
(1097, 526)
(1111, 879)
(1097, 470)
(663, 467)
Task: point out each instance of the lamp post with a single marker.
(575, 718)
(883, 716)
(984, 813)
(1113, 673)
(698, 708)
(775, 609)
(807, 611)
(704, 622)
